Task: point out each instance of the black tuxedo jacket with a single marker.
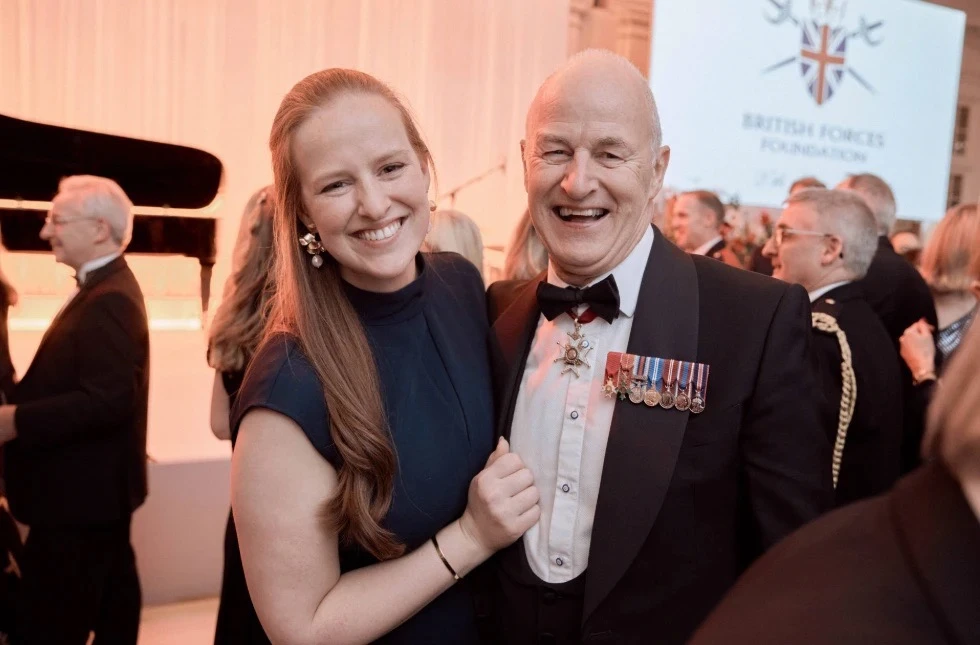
(902, 569)
(687, 501)
(873, 448)
(900, 297)
(80, 452)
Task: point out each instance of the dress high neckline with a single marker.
(389, 308)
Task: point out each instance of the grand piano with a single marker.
(174, 189)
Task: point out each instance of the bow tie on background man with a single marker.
(602, 298)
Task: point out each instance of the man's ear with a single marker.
(660, 164)
(103, 230)
(833, 250)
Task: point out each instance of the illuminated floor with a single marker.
(186, 623)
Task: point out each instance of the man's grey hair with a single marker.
(588, 55)
(846, 215)
(99, 197)
(879, 197)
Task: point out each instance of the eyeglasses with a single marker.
(781, 232)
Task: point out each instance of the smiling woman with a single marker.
(363, 416)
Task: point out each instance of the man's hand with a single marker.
(8, 429)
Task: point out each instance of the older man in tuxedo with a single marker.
(663, 401)
(75, 434)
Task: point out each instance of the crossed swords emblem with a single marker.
(865, 31)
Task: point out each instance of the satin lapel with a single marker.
(643, 442)
(511, 338)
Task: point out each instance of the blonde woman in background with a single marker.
(951, 267)
(526, 255)
(235, 333)
(455, 232)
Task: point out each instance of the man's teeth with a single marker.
(569, 213)
(381, 233)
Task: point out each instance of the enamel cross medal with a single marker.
(576, 349)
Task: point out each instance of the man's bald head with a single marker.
(593, 164)
(592, 69)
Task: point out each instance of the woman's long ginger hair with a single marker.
(310, 305)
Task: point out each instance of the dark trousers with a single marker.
(79, 579)
(237, 622)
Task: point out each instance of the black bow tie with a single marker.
(602, 298)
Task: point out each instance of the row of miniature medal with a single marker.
(667, 382)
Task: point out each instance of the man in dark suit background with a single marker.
(76, 433)
(902, 568)
(649, 512)
(824, 241)
(697, 219)
(900, 297)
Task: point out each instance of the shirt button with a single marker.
(585, 344)
(565, 488)
(574, 414)
(559, 561)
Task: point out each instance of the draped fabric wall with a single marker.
(211, 73)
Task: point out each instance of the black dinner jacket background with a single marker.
(872, 458)
(687, 501)
(902, 568)
(900, 297)
(80, 454)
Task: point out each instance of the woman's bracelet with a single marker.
(922, 377)
(442, 557)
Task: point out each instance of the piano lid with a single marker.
(159, 178)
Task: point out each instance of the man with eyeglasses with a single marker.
(75, 432)
(824, 241)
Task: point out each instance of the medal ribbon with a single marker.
(655, 372)
(685, 377)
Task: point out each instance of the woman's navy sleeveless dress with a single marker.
(429, 341)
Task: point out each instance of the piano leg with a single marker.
(206, 268)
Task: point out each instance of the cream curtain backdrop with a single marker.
(211, 73)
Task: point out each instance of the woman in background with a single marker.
(456, 232)
(950, 265)
(526, 255)
(235, 333)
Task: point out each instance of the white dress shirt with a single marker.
(704, 248)
(97, 263)
(817, 293)
(83, 271)
(561, 425)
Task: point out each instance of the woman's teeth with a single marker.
(379, 234)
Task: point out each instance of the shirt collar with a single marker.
(629, 274)
(704, 248)
(817, 293)
(95, 264)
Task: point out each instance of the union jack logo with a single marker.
(823, 48)
(822, 59)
